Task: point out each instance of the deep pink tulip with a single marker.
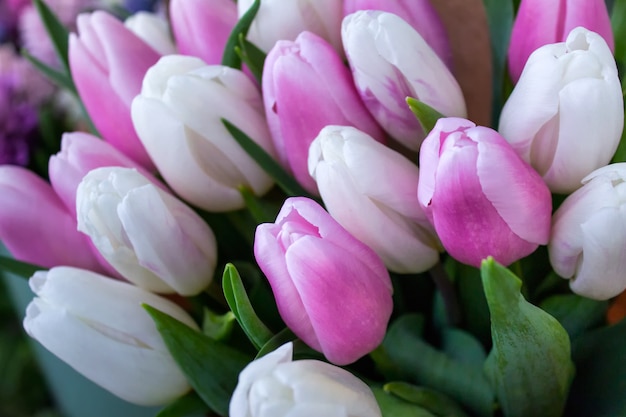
(540, 22)
(418, 13)
(201, 27)
(306, 87)
(331, 290)
(35, 226)
(480, 196)
(108, 63)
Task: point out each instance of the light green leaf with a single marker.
(211, 367)
(282, 337)
(230, 58)
(239, 303)
(218, 326)
(392, 406)
(529, 365)
(252, 56)
(426, 115)
(431, 400)
(575, 313)
(61, 79)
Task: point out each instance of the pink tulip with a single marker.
(306, 86)
(201, 27)
(418, 13)
(331, 290)
(35, 226)
(481, 197)
(540, 22)
(108, 63)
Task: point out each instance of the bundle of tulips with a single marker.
(283, 210)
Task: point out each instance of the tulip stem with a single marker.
(448, 293)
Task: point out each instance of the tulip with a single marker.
(331, 290)
(309, 67)
(420, 14)
(390, 61)
(150, 237)
(285, 20)
(153, 30)
(566, 114)
(371, 191)
(481, 197)
(202, 27)
(35, 226)
(540, 23)
(588, 241)
(98, 326)
(276, 386)
(178, 118)
(108, 63)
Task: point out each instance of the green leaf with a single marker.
(211, 367)
(463, 347)
(599, 387)
(57, 33)
(239, 303)
(218, 326)
(23, 269)
(426, 115)
(282, 337)
(474, 309)
(392, 406)
(190, 404)
(57, 77)
(431, 400)
(425, 365)
(575, 313)
(230, 58)
(252, 56)
(265, 161)
(500, 22)
(259, 209)
(529, 365)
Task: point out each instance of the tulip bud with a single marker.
(482, 198)
(276, 386)
(178, 118)
(540, 22)
(588, 241)
(331, 290)
(35, 226)
(371, 191)
(153, 30)
(98, 326)
(390, 61)
(566, 113)
(284, 20)
(108, 62)
(202, 27)
(306, 86)
(150, 237)
(420, 14)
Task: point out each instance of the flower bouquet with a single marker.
(293, 208)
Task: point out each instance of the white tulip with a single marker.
(153, 239)
(153, 30)
(371, 191)
(566, 113)
(588, 242)
(97, 326)
(178, 116)
(391, 61)
(276, 386)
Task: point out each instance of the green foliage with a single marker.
(19, 268)
(231, 58)
(426, 115)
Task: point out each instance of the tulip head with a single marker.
(331, 290)
(306, 86)
(178, 117)
(539, 23)
(276, 386)
(371, 191)
(153, 239)
(480, 196)
(390, 61)
(588, 241)
(97, 326)
(153, 30)
(566, 113)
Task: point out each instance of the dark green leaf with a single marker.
(425, 365)
(252, 56)
(23, 269)
(59, 78)
(260, 211)
(474, 309)
(463, 347)
(190, 404)
(211, 368)
(265, 161)
(599, 387)
(431, 400)
(57, 33)
(230, 58)
(392, 406)
(426, 115)
(575, 313)
(529, 365)
(239, 303)
(282, 337)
